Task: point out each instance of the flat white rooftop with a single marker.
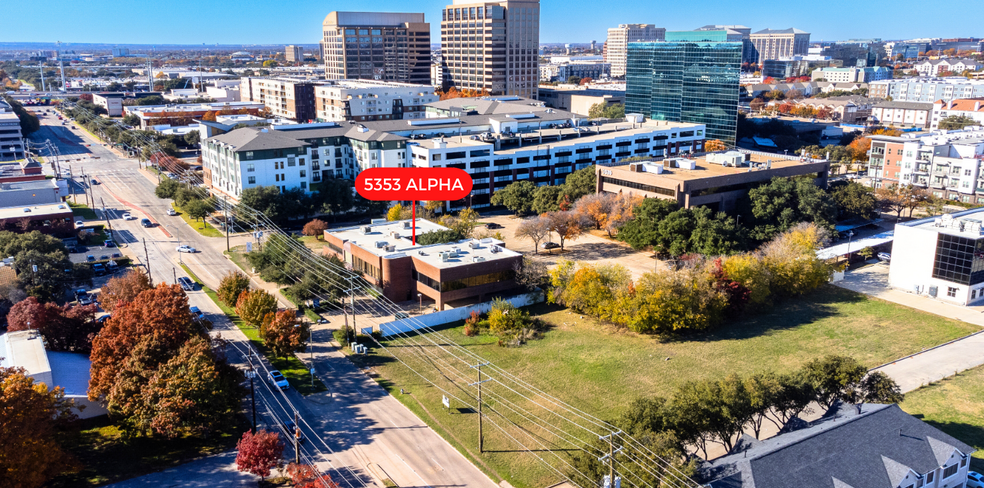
(468, 251)
(25, 349)
(968, 223)
(395, 235)
(36, 210)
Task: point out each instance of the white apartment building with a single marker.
(902, 114)
(367, 100)
(945, 163)
(496, 150)
(933, 67)
(852, 75)
(972, 108)
(926, 89)
(617, 46)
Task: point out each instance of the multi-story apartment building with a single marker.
(292, 98)
(496, 150)
(617, 45)
(972, 109)
(853, 75)
(366, 100)
(744, 32)
(492, 46)
(779, 43)
(927, 89)
(692, 77)
(169, 114)
(11, 138)
(383, 46)
(902, 114)
(294, 54)
(933, 67)
(948, 164)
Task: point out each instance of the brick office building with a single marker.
(471, 271)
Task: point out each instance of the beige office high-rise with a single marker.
(383, 46)
(492, 46)
(619, 38)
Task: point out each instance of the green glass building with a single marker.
(692, 77)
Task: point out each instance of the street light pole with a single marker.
(850, 235)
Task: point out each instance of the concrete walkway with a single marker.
(917, 370)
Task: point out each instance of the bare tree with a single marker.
(567, 225)
(536, 229)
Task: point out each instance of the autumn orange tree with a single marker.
(715, 145)
(254, 305)
(567, 225)
(283, 333)
(30, 415)
(123, 289)
(259, 452)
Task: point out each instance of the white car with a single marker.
(187, 249)
(171, 212)
(278, 379)
(79, 224)
(975, 480)
(127, 216)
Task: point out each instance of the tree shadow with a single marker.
(972, 435)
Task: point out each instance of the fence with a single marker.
(448, 316)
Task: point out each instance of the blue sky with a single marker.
(299, 21)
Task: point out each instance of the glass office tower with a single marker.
(692, 77)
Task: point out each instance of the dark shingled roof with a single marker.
(258, 139)
(873, 449)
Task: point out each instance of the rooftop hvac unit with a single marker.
(366, 229)
(477, 259)
(406, 225)
(380, 244)
(495, 249)
(474, 244)
(445, 256)
(390, 248)
(421, 253)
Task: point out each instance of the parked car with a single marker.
(99, 269)
(492, 225)
(884, 256)
(146, 223)
(292, 431)
(278, 379)
(184, 248)
(79, 224)
(322, 321)
(172, 212)
(94, 181)
(975, 480)
(90, 258)
(128, 216)
(116, 255)
(186, 283)
(550, 245)
(104, 318)
(197, 313)
(109, 243)
(104, 258)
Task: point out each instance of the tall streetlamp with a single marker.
(251, 373)
(420, 302)
(850, 235)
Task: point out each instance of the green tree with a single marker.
(784, 202)
(517, 196)
(854, 201)
(192, 138)
(232, 285)
(264, 199)
(439, 237)
(198, 209)
(574, 80)
(580, 183)
(254, 305)
(133, 120)
(642, 230)
(834, 378)
(957, 122)
(335, 195)
(547, 199)
(167, 188)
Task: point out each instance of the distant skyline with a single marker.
(299, 22)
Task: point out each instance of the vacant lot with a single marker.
(955, 406)
(600, 370)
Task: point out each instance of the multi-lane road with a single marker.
(357, 432)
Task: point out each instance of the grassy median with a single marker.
(955, 406)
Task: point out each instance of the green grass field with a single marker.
(82, 211)
(599, 369)
(955, 406)
(203, 228)
(296, 372)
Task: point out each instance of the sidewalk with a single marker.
(917, 370)
(218, 471)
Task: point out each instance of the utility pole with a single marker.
(175, 271)
(297, 439)
(84, 190)
(106, 216)
(225, 206)
(147, 262)
(351, 292)
(252, 393)
(611, 458)
(481, 440)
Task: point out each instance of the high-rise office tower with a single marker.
(692, 77)
(619, 38)
(739, 32)
(492, 46)
(295, 54)
(775, 44)
(383, 46)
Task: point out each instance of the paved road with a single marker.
(359, 421)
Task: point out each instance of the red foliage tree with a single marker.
(737, 293)
(307, 476)
(65, 328)
(259, 452)
(316, 227)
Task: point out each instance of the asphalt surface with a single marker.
(353, 426)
